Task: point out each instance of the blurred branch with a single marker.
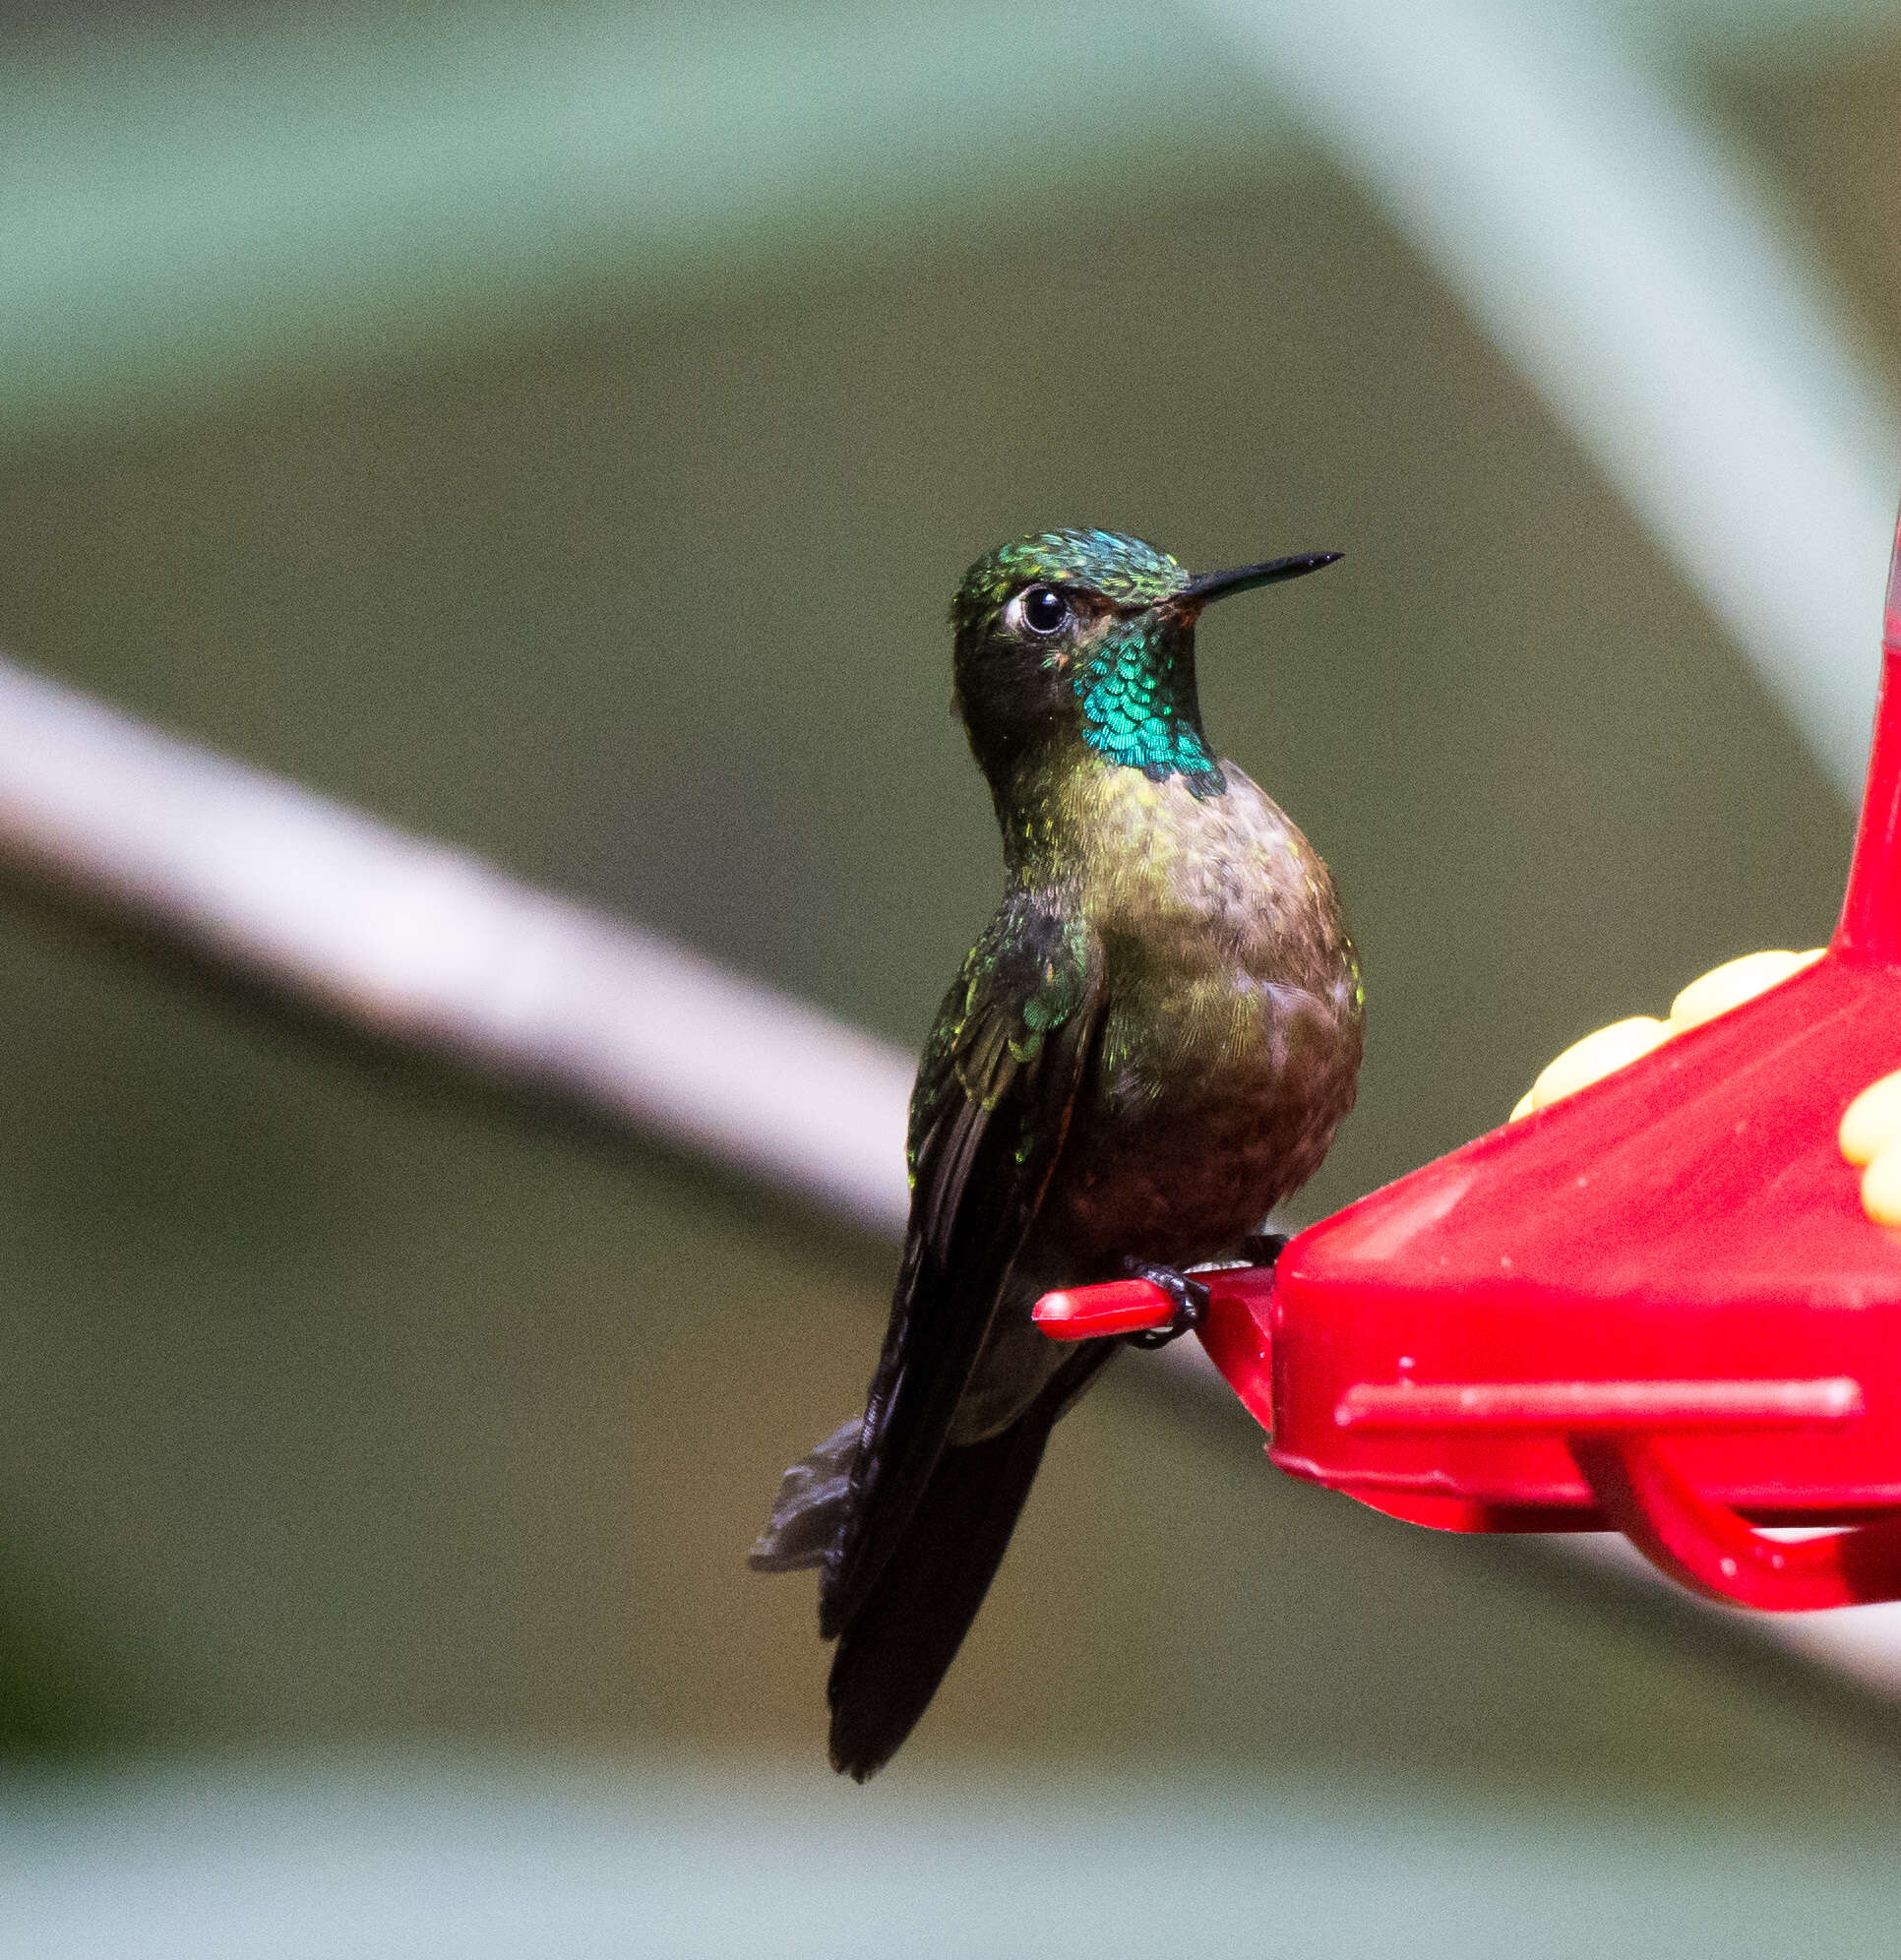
(1644, 279)
(196, 202)
(199, 205)
(436, 950)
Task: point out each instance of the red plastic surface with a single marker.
(1656, 1305)
(1116, 1307)
(1597, 1408)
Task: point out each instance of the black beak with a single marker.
(1208, 585)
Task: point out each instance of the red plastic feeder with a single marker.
(1657, 1305)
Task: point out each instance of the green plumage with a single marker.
(1149, 1047)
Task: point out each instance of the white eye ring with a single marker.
(1041, 610)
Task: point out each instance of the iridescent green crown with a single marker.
(1124, 569)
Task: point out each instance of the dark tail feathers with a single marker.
(809, 1512)
(895, 1648)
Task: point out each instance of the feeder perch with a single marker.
(1656, 1306)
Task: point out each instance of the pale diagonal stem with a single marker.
(436, 950)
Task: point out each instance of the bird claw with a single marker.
(1263, 1249)
(1190, 1296)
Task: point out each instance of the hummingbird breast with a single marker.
(1232, 1035)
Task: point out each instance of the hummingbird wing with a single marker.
(1001, 1072)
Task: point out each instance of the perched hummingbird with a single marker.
(1150, 1046)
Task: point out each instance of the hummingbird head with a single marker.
(1088, 636)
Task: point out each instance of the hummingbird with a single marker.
(1149, 1047)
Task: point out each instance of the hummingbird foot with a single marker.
(1190, 1296)
(1262, 1248)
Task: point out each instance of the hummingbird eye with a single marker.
(1043, 609)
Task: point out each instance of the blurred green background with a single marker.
(344, 1407)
